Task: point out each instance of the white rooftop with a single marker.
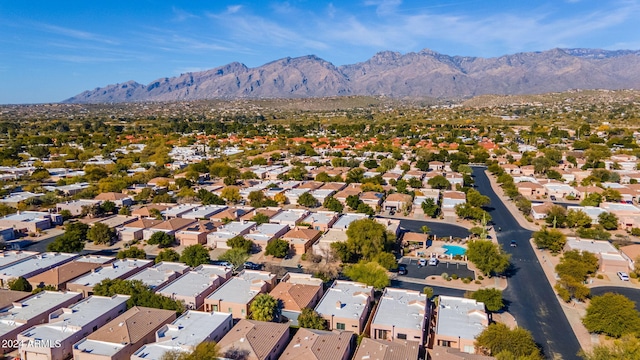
(67, 321)
(404, 309)
(291, 215)
(592, 246)
(352, 297)
(10, 257)
(39, 263)
(320, 217)
(242, 288)
(114, 270)
(21, 312)
(204, 212)
(187, 331)
(461, 317)
(346, 219)
(179, 210)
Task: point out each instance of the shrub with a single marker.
(563, 293)
(602, 277)
(478, 282)
(480, 277)
(466, 281)
(454, 276)
(445, 275)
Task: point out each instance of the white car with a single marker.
(623, 276)
(422, 262)
(433, 261)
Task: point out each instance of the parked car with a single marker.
(222, 263)
(433, 261)
(402, 269)
(553, 197)
(252, 266)
(422, 262)
(623, 276)
(513, 243)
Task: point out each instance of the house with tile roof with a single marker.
(119, 199)
(54, 339)
(31, 311)
(313, 344)
(185, 333)
(8, 297)
(346, 305)
(235, 296)
(60, 275)
(145, 211)
(194, 286)
(372, 349)
(122, 336)
(255, 340)
(301, 239)
(195, 233)
(170, 226)
(296, 292)
(135, 230)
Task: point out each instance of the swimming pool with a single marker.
(454, 250)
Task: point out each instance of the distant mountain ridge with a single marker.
(416, 74)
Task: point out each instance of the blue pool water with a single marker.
(454, 250)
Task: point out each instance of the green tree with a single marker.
(310, 319)
(133, 252)
(206, 350)
(19, 284)
(608, 221)
(355, 176)
(430, 207)
(72, 240)
(611, 195)
(237, 257)
(256, 198)
(108, 207)
(194, 255)
(492, 298)
(593, 199)
(487, 257)
(573, 269)
(140, 294)
(332, 204)
(366, 238)
(241, 243)
(162, 239)
(353, 201)
(628, 347)
(370, 273)
(578, 218)
(499, 339)
(125, 210)
(231, 194)
(307, 200)
(612, 314)
(101, 233)
(551, 239)
(556, 216)
(260, 218)
(169, 255)
(264, 308)
(475, 198)
(277, 248)
(386, 260)
(439, 182)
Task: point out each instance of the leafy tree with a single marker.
(430, 207)
(497, 339)
(108, 207)
(370, 273)
(332, 204)
(101, 233)
(428, 291)
(310, 319)
(260, 218)
(596, 232)
(72, 240)
(556, 216)
(353, 201)
(466, 211)
(231, 194)
(256, 198)
(44, 288)
(264, 308)
(608, 221)
(370, 164)
(355, 176)
(593, 199)
(169, 255)
(492, 298)
(307, 200)
(278, 248)
(578, 218)
(163, 198)
(240, 242)
(439, 182)
(475, 198)
(125, 210)
(628, 347)
(612, 314)
(209, 198)
(195, 255)
(237, 257)
(280, 198)
(19, 284)
(610, 194)
(386, 260)
(162, 239)
(140, 294)
(487, 257)
(573, 269)
(365, 209)
(206, 350)
(551, 239)
(133, 252)
(366, 238)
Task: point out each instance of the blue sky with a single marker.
(52, 50)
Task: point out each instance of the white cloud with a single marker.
(232, 9)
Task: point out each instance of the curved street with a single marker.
(631, 293)
(529, 296)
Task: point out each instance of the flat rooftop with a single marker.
(204, 212)
(22, 311)
(40, 262)
(353, 299)
(404, 309)
(346, 219)
(10, 257)
(592, 246)
(461, 317)
(240, 289)
(115, 270)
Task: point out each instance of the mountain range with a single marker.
(391, 74)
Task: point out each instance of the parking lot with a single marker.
(422, 272)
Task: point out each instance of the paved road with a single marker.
(529, 297)
(439, 229)
(414, 271)
(631, 293)
(437, 290)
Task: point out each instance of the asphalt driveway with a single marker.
(422, 272)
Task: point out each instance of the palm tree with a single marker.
(425, 229)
